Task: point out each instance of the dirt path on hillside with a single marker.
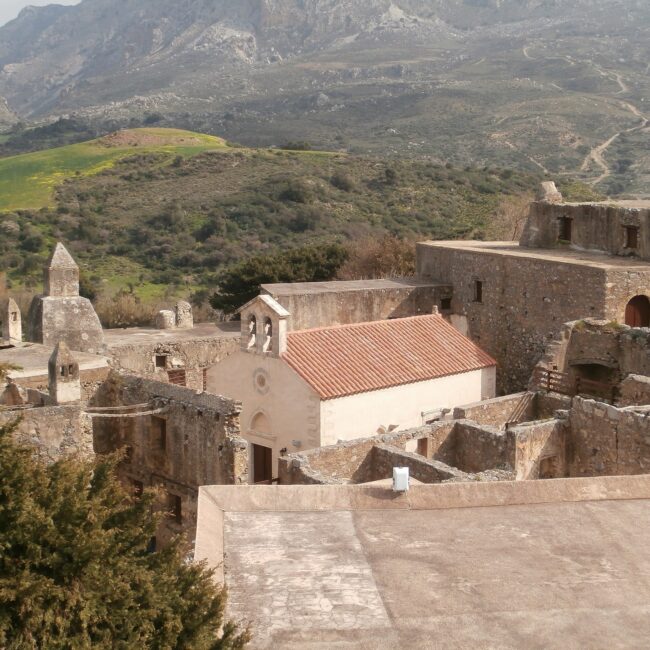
(597, 154)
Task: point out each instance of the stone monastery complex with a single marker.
(511, 379)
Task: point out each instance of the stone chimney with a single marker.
(63, 371)
(11, 328)
(61, 274)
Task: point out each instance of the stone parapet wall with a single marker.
(311, 309)
(55, 432)
(192, 355)
(518, 407)
(91, 381)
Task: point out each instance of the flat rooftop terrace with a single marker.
(143, 335)
(639, 204)
(33, 359)
(445, 566)
(302, 288)
(562, 256)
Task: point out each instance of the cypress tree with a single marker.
(75, 571)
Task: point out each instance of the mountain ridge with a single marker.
(532, 83)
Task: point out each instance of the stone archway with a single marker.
(637, 312)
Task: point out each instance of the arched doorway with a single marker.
(637, 312)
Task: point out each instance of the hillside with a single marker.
(29, 180)
(535, 84)
(158, 218)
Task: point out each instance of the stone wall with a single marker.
(349, 461)
(593, 227)
(634, 390)
(55, 432)
(606, 440)
(341, 303)
(190, 440)
(192, 355)
(540, 450)
(452, 450)
(91, 380)
(519, 315)
(480, 447)
(385, 458)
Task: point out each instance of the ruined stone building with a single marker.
(174, 440)
(80, 391)
(574, 261)
(305, 389)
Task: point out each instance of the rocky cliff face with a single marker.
(102, 51)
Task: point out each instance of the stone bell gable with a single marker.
(61, 314)
(264, 327)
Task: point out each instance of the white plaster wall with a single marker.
(289, 403)
(361, 415)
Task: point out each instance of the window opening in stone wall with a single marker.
(159, 432)
(14, 316)
(268, 335)
(566, 229)
(478, 291)
(252, 332)
(445, 304)
(631, 237)
(161, 361)
(177, 377)
(175, 506)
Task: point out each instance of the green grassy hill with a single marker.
(29, 180)
(157, 210)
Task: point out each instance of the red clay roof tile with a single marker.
(350, 359)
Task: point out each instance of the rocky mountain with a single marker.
(458, 79)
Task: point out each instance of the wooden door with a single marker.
(262, 464)
(637, 312)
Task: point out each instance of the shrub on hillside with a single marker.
(372, 258)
